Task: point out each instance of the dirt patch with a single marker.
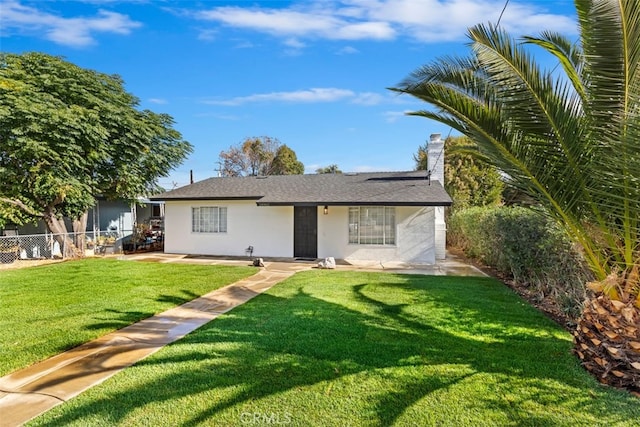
(151, 259)
(28, 263)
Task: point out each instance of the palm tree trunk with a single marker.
(607, 337)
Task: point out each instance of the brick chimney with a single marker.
(435, 157)
(435, 165)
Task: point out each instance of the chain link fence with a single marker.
(26, 248)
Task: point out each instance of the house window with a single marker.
(372, 225)
(209, 219)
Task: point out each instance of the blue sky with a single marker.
(310, 73)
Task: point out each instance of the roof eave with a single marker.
(360, 203)
(182, 198)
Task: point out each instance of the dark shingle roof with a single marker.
(378, 188)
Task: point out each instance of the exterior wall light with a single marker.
(326, 210)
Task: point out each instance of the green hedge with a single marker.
(526, 246)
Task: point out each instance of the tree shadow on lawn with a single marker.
(119, 319)
(185, 296)
(295, 341)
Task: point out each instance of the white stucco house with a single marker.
(379, 217)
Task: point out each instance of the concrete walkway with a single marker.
(29, 392)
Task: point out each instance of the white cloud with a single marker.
(368, 98)
(393, 116)
(444, 20)
(75, 32)
(244, 45)
(313, 95)
(309, 22)
(113, 1)
(364, 30)
(347, 50)
(294, 46)
(207, 35)
(294, 43)
(309, 96)
(158, 101)
(277, 21)
(423, 20)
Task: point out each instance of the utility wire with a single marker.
(501, 13)
(506, 3)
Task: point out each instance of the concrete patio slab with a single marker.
(451, 266)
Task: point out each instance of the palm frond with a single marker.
(610, 34)
(571, 140)
(568, 54)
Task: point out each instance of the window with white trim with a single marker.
(372, 225)
(209, 219)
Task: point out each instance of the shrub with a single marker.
(527, 247)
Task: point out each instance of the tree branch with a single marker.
(22, 206)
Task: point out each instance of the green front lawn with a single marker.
(46, 310)
(328, 348)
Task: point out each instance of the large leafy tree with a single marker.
(68, 134)
(286, 162)
(569, 138)
(261, 155)
(251, 157)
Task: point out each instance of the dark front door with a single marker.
(305, 232)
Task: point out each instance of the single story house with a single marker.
(381, 217)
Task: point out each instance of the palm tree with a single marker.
(569, 138)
